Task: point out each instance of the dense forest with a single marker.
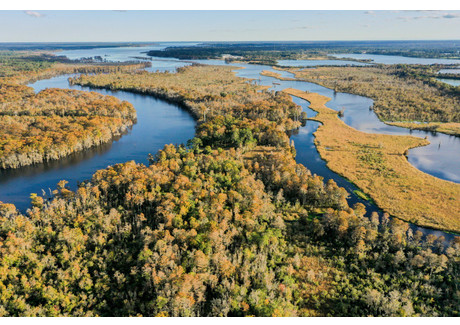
(209, 91)
(400, 92)
(228, 225)
(54, 123)
(198, 234)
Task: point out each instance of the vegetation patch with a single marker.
(362, 195)
(55, 123)
(448, 128)
(376, 164)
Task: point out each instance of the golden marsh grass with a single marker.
(377, 164)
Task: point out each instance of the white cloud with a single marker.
(302, 27)
(449, 16)
(34, 14)
(433, 15)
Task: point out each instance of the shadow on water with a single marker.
(67, 162)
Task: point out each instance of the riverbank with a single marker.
(399, 94)
(376, 163)
(446, 128)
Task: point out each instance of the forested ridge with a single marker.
(228, 225)
(54, 123)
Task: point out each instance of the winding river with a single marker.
(160, 123)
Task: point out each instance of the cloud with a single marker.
(450, 16)
(34, 14)
(433, 15)
(223, 30)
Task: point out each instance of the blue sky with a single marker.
(112, 26)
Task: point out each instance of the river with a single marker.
(453, 82)
(160, 123)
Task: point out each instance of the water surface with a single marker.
(160, 123)
(440, 158)
(453, 82)
(394, 59)
(311, 63)
(453, 71)
(120, 54)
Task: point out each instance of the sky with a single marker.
(146, 26)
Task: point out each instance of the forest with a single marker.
(227, 225)
(53, 123)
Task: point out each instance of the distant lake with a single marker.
(394, 59)
(453, 82)
(310, 63)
